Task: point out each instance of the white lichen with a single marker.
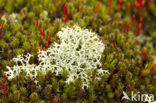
(79, 53)
(22, 65)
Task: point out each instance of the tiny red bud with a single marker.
(97, 7)
(152, 69)
(54, 101)
(64, 9)
(4, 88)
(42, 34)
(37, 24)
(133, 18)
(1, 28)
(120, 4)
(47, 42)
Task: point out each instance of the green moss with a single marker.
(125, 61)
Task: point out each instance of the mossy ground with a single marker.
(122, 55)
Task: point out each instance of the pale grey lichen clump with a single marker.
(79, 53)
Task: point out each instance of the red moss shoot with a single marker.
(109, 5)
(144, 52)
(66, 19)
(142, 4)
(141, 20)
(1, 28)
(140, 26)
(5, 76)
(120, 4)
(133, 18)
(139, 1)
(128, 6)
(115, 45)
(64, 9)
(4, 88)
(54, 101)
(144, 70)
(135, 6)
(152, 69)
(149, 2)
(40, 50)
(37, 24)
(97, 7)
(42, 34)
(47, 42)
(127, 28)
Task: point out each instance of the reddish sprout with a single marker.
(109, 5)
(120, 4)
(47, 42)
(37, 24)
(128, 6)
(4, 88)
(41, 50)
(149, 2)
(1, 28)
(139, 1)
(141, 20)
(133, 18)
(64, 9)
(144, 70)
(135, 6)
(42, 34)
(54, 101)
(127, 28)
(5, 76)
(115, 45)
(66, 19)
(152, 69)
(97, 7)
(144, 52)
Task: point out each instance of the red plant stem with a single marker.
(37, 24)
(149, 2)
(152, 69)
(1, 28)
(140, 25)
(138, 30)
(127, 28)
(120, 4)
(47, 42)
(64, 9)
(41, 50)
(54, 101)
(133, 18)
(141, 20)
(135, 6)
(4, 88)
(5, 76)
(115, 45)
(144, 70)
(42, 34)
(66, 19)
(109, 5)
(128, 6)
(139, 1)
(97, 7)
(144, 52)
